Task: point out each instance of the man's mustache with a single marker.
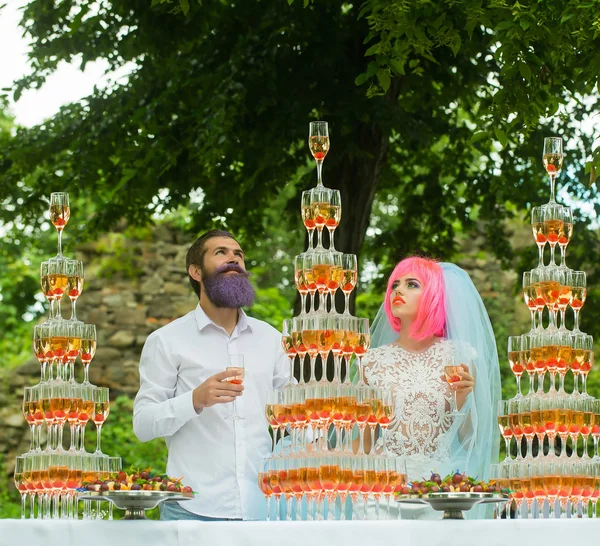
(232, 267)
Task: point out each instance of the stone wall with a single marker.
(147, 288)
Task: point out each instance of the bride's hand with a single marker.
(464, 386)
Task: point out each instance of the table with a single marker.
(328, 533)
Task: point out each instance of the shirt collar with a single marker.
(203, 320)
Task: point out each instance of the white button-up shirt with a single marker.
(216, 456)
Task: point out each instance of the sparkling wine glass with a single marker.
(101, 410)
(549, 289)
(451, 375)
(264, 484)
(578, 296)
(298, 341)
(288, 346)
(59, 346)
(236, 367)
(565, 239)
(60, 213)
(300, 280)
(41, 347)
(553, 161)
(21, 483)
(565, 279)
(88, 349)
(529, 295)
(554, 227)
(321, 204)
(349, 278)
(58, 280)
(334, 215)
(318, 142)
(515, 360)
(47, 289)
(75, 332)
(564, 357)
(362, 346)
(539, 234)
(308, 216)
(74, 284)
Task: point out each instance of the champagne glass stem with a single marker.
(576, 320)
(361, 381)
(74, 317)
(385, 449)
(319, 173)
(313, 361)
(99, 431)
(595, 440)
(575, 384)
(59, 242)
(563, 313)
(532, 319)
(531, 383)
(346, 303)
(331, 239)
(291, 363)
(24, 505)
(337, 367)
(319, 238)
(361, 442)
(585, 454)
(563, 256)
(584, 384)
(552, 187)
(541, 255)
(552, 262)
(519, 393)
(507, 448)
(303, 304)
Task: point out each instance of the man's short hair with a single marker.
(195, 254)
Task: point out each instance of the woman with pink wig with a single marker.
(433, 316)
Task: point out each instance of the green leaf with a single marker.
(397, 66)
(384, 78)
(185, 6)
(501, 136)
(504, 25)
(478, 136)
(525, 24)
(566, 17)
(525, 70)
(373, 50)
(360, 79)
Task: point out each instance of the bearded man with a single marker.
(185, 395)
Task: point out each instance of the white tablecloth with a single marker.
(404, 533)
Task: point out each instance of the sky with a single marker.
(67, 85)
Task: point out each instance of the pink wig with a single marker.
(431, 316)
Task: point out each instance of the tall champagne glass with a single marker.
(308, 216)
(504, 426)
(565, 239)
(451, 371)
(100, 414)
(536, 283)
(288, 346)
(298, 341)
(553, 161)
(300, 280)
(564, 358)
(310, 327)
(565, 279)
(529, 295)
(264, 485)
(236, 367)
(539, 235)
(362, 346)
(579, 294)
(47, 289)
(88, 349)
(514, 420)
(320, 198)
(58, 281)
(514, 359)
(60, 212)
(553, 227)
(20, 483)
(334, 216)
(41, 346)
(349, 279)
(74, 284)
(318, 142)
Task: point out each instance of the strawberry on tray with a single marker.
(452, 483)
(137, 480)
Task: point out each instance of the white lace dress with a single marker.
(419, 431)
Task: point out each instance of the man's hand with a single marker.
(215, 390)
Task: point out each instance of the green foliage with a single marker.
(120, 257)
(10, 503)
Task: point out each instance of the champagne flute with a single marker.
(74, 284)
(565, 239)
(101, 410)
(349, 278)
(298, 341)
(553, 161)
(88, 349)
(41, 346)
(236, 367)
(75, 331)
(362, 346)
(451, 375)
(578, 296)
(58, 280)
(20, 483)
(318, 142)
(335, 214)
(264, 485)
(553, 227)
(530, 296)
(504, 426)
(588, 363)
(47, 289)
(539, 235)
(515, 360)
(565, 278)
(320, 201)
(549, 289)
(300, 280)
(60, 213)
(308, 216)
(288, 347)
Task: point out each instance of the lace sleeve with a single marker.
(369, 362)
